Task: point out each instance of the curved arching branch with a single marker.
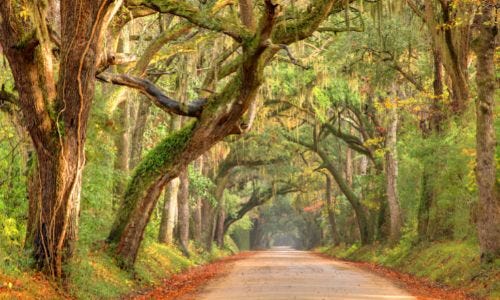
(149, 89)
(200, 17)
(257, 198)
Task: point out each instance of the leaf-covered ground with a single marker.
(189, 281)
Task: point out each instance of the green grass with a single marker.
(95, 275)
(452, 263)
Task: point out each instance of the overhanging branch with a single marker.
(202, 18)
(146, 87)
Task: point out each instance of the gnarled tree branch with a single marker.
(146, 87)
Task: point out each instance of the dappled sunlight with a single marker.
(249, 149)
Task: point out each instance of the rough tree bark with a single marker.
(391, 159)
(55, 113)
(488, 215)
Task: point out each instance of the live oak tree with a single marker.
(217, 116)
(362, 128)
(53, 51)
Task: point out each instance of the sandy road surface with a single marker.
(283, 273)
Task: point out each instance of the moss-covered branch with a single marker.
(156, 165)
(201, 18)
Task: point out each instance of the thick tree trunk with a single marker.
(220, 116)
(488, 216)
(169, 213)
(122, 134)
(256, 235)
(330, 207)
(55, 114)
(53, 233)
(183, 218)
(219, 231)
(207, 212)
(391, 159)
(197, 233)
(380, 221)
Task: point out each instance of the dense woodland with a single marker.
(134, 130)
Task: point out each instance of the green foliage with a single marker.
(13, 193)
(201, 186)
(455, 264)
(450, 155)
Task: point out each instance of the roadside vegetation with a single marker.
(141, 138)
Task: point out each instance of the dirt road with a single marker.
(283, 273)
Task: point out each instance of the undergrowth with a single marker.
(451, 263)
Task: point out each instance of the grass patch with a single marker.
(452, 263)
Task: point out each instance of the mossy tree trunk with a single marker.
(217, 117)
(488, 215)
(55, 112)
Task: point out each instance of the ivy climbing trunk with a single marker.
(55, 113)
